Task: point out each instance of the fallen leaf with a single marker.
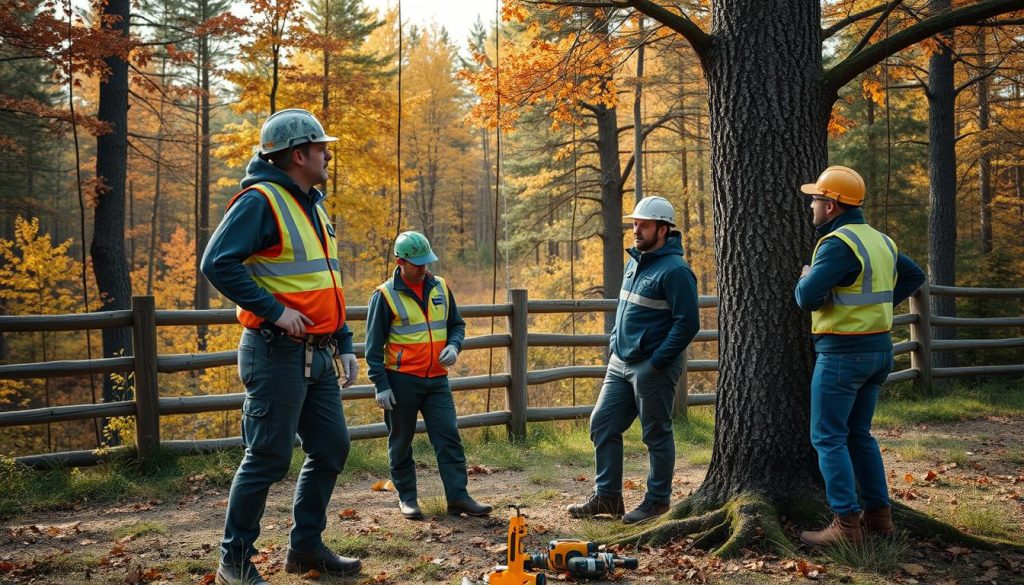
(931, 476)
(311, 574)
(208, 579)
(908, 478)
(347, 514)
(629, 484)
(914, 569)
(384, 485)
(581, 478)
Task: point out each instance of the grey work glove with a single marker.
(386, 399)
(350, 365)
(448, 356)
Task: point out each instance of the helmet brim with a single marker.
(811, 189)
(421, 260)
(632, 217)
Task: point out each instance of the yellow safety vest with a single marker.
(865, 306)
(416, 339)
(301, 272)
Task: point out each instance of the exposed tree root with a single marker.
(915, 523)
(745, 521)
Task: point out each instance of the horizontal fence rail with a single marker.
(148, 406)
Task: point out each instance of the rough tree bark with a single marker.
(107, 248)
(770, 101)
(942, 184)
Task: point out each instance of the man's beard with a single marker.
(644, 245)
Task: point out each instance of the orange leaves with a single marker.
(348, 514)
(383, 486)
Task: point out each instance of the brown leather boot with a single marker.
(843, 528)
(879, 521)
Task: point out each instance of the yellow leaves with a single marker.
(839, 124)
(874, 90)
(37, 277)
(383, 486)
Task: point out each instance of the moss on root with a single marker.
(745, 521)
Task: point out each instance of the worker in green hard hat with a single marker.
(413, 335)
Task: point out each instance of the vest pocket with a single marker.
(256, 423)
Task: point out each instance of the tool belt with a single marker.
(270, 331)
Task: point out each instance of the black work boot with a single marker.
(469, 507)
(597, 504)
(321, 560)
(645, 511)
(245, 573)
(410, 510)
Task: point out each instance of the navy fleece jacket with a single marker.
(657, 315)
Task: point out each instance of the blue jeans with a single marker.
(281, 402)
(631, 391)
(433, 398)
(844, 391)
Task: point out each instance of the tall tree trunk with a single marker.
(107, 248)
(763, 236)
(611, 204)
(702, 221)
(942, 188)
(985, 160)
(638, 123)
(202, 296)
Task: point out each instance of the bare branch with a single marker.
(698, 39)
(828, 32)
(854, 65)
(874, 27)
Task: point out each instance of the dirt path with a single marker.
(976, 481)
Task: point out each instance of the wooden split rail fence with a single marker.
(146, 364)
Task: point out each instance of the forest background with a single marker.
(512, 143)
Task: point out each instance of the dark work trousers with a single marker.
(630, 391)
(281, 402)
(433, 398)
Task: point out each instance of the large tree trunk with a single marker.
(942, 188)
(611, 204)
(763, 236)
(985, 160)
(107, 249)
(202, 296)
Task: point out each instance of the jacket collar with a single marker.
(673, 247)
(851, 216)
(428, 282)
(259, 171)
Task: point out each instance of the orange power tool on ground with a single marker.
(517, 571)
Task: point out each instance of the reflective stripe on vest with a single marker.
(865, 306)
(415, 340)
(304, 274)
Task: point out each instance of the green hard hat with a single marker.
(288, 128)
(414, 248)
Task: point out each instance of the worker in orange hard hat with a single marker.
(856, 277)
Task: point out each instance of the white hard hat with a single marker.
(654, 208)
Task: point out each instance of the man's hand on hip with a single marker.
(350, 364)
(293, 322)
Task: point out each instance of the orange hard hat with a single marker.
(842, 184)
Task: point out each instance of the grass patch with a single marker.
(913, 451)
(875, 554)
(697, 429)
(1015, 456)
(962, 402)
(370, 456)
(699, 458)
(350, 545)
(989, 521)
(957, 455)
(435, 505)
(139, 529)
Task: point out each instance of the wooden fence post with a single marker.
(147, 393)
(921, 332)
(682, 390)
(515, 394)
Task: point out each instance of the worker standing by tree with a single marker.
(855, 279)
(275, 255)
(413, 335)
(656, 319)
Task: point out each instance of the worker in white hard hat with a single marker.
(655, 320)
